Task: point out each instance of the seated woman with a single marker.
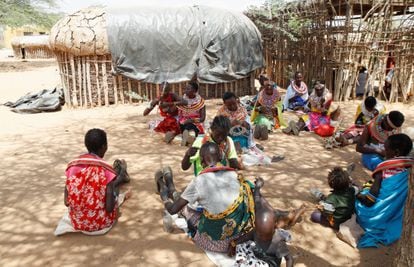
(240, 130)
(366, 111)
(191, 116)
(297, 94)
(371, 143)
(92, 187)
(167, 102)
(380, 208)
(228, 208)
(225, 197)
(319, 111)
(219, 131)
(267, 112)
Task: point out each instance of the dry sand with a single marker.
(36, 148)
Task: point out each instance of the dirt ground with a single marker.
(35, 149)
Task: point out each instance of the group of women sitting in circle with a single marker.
(226, 212)
(377, 135)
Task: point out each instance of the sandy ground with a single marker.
(36, 148)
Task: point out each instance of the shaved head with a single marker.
(209, 154)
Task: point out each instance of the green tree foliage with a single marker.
(274, 15)
(15, 13)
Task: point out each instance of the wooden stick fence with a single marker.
(35, 52)
(88, 81)
(337, 38)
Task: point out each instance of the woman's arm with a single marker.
(151, 107)
(363, 147)
(185, 162)
(179, 101)
(203, 114)
(65, 198)
(175, 207)
(110, 198)
(370, 199)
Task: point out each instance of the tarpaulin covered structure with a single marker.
(158, 44)
(111, 55)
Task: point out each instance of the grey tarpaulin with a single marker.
(46, 100)
(157, 44)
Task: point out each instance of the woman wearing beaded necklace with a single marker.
(269, 108)
(319, 111)
(371, 143)
(297, 94)
(191, 116)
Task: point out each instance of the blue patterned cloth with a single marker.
(383, 221)
(371, 161)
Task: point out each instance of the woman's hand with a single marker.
(380, 151)
(188, 121)
(191, 151)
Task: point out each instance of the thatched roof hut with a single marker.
(116, 55)
(333, 40)
(31, 46)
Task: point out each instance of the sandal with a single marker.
(167, 175)
(257, 132)
(158, 178)
(169, 136)
(278, 158)
(120, 167)
(294, 128)
(260, 147)
(287, 130)
(264, 132)
(350, 168)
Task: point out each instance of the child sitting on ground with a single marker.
(338, 206)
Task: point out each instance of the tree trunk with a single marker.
(405, 249)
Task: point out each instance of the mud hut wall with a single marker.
(32, 52)
(38, 52)
(88, 81)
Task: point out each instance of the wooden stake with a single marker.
(105, 81)
(88, 81)
(74, 90)
(97, 81)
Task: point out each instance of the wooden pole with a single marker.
(105, 81)
(115, 89)
(405, 251)
(88, 81)
(121, 89)
(79, 75)
(98, 86)
(84, 82)
(61, 63)
(74, 90)
(129, 91)
(139, 89)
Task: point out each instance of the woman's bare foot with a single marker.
(128, 193)
(292, 218)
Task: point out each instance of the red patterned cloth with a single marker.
(87, 177)
(169, 123)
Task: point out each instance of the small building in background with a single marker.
(31, 47)
(8, 33)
